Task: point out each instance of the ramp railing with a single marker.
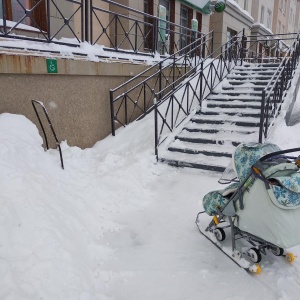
(34, 104)
(135, 98)
(173, 107)
(274, 92)
(112, 25)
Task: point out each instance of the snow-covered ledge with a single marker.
(233, 18)
(234, 10)
(12, 24)
(260, 29)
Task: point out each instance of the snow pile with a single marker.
(52, 221)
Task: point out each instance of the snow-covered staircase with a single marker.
(229, 116)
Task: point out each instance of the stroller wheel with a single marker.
(290, 257)
(277, 251)
(254, 255)
(220, 234)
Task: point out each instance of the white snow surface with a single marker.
(116, 225)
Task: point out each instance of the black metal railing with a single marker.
(173, 107)
(105, 22)
(135, 98)
(41, 104)
(267, 48)
(44, 21)
(133, 30)
(274, 92)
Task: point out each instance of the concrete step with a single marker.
(219, 138)
(197, 160)
(230, 116)
(245, 82)
(242, 89)
(212, 104)
(231, 112)
(225, 127)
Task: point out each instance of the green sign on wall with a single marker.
(51, 65)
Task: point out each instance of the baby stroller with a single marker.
(261, 209)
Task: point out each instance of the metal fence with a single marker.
(44, 20)
(135, 98)
(70, 22)
(173, 108)
(274, 92)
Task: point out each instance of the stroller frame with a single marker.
(227, 214)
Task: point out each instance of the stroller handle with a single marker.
(280, 153)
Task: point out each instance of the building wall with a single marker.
(261, 15)
(297, 17)
(232, 18)
(77, 98)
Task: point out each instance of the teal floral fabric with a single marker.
(213, 200)
(216, 199)
(288, 192)
(246, 155)
(285, 197)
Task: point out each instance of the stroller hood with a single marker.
(245, 156)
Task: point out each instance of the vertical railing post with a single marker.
(212, 43)
(86, 19)
(145, 97)
(48, 21)
(155, 35)
(160, 79)
(126, 108)
(4, 16)
(135, 37)
(242, 46)
(156, 126)
(115, 46)
(262, 112)
(201, 82)
(112, 113)
(173, 86)
(203, 47)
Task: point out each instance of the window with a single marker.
(262, 14)
(269, 18)
(230, 34)
(184, 21)
(199, 18)
(186, 16)
(15, 10)
(279, 27)
(148, 8)
(166, 4)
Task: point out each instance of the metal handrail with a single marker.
(34, 102)
(172, 110)
(273, 94)
(176, 109)
(157, 74)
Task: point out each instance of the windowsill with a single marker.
(12, 24)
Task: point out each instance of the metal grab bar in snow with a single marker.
(34, 102)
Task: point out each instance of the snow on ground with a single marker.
(116, 225)
(113, 225)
